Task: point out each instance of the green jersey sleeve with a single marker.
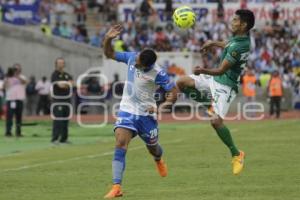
(233, 55)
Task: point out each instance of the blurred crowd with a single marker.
(55, 18)
(275, 47)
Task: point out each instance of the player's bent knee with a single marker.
(216, 123)
(179, 83)
(185, 81)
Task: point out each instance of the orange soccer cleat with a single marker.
(161, 168)
(114, 192)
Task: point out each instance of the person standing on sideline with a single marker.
(1, 92)
(1, 95)
(14, 85)
(31, 96)
(62, 91)
(248, 86)
(43, 87)
(249, 82)
(275, 90)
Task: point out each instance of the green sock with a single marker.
(225, 136)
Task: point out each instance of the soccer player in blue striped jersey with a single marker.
(144, 76)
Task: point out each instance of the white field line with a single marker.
(10, 155)
(76, 158)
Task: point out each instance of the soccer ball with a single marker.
(184, 17)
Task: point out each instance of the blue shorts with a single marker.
(144, 126)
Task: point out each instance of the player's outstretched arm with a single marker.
(225, 65)
(221, 44)
(171, 98)
(113, 32)
(209, 44)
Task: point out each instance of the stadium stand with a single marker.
(276, 43)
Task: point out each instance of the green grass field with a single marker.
(199, 164)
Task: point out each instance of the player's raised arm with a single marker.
(113, 32)
(225, 65)
(232, 57)
(171, 98)
(108, 48)
(209, 44)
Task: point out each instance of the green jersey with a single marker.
(236, 52)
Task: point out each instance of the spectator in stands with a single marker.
(268, 66)
(96, 39)
(60, 8)
(77, 36)
(161, 42)
(220, 10)
(43, 87)
(14, 85)
(65, 30)
(31, 96)
(143, 38)
(146, 10)
(100, 4)
(295, 62)
(275, 11)
(205, 25)
(275, 90)
(243, 4)
(62, 81)
(80, 10)
(110, 11)
(45, 9)
(169, 9)
(83, 31)
(294, 29)
(56, 29)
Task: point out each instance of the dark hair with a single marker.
(11, 72)
(147, 57)
(246, 16)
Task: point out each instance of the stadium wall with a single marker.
(37, 52)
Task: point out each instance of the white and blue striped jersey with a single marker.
(140, 86)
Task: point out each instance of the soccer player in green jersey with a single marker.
(222, 82)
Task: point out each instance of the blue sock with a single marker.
(118, 165)
(159, 152)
